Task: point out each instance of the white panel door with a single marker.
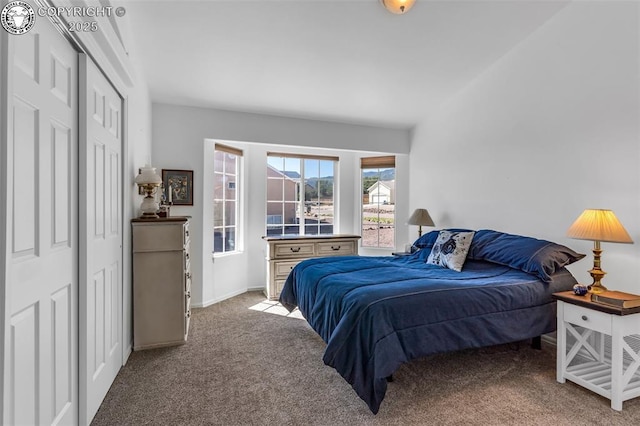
(100, 237)
(42, 279)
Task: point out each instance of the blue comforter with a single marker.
(376, 313)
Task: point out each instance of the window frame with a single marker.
(236, 226)
(300, 194)
(380, 163)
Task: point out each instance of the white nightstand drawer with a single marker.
(584, 317)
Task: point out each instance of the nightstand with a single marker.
(595, 345)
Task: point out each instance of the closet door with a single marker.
(42, 241)
(100, 237)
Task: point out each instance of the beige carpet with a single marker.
(249, 367)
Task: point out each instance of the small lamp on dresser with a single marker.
(149, 181)
(598, 225)
(421, 218)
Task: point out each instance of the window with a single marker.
(300, 194)
(378, 201)
(226, 167)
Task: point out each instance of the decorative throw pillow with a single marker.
(450, 249)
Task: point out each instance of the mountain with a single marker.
(387, 174)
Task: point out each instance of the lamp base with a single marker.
(149, 216)
(149, 208)
(596, 287)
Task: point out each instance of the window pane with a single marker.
(326, 229)
(291, 168)
(275, 190)
(275, 213)
(274, 230)
(218, 186)
(275, 162)
(230, 239)
(230, 163)
(218, 161)
(230, 213)
(218, 240)
(290, 213)
(218, 213)
(311, 169)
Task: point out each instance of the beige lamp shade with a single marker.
(599, 225)
(398, 6)
(421, 217)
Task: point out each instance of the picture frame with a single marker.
(181, 183)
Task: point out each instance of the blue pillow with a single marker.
(537, 257)
(429, 239)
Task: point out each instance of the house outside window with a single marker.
(226, 171)
(300, 192)
(378, 201)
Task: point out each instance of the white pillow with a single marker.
(450, 249)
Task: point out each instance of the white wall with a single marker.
(183, 138)
(549, 130)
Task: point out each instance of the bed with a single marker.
(376, 313)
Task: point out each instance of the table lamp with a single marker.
(598, 225)
(421, 218)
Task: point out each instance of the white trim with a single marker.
(210, 302)
(5, 77)
(550, 339)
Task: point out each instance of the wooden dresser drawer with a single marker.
(337, 248)
(293, 250)
(282, 269)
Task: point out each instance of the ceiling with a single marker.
(333, 60)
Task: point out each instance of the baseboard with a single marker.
(550, 339)
(127, 353)
(218, 299)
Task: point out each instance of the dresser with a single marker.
(161, 282)
(285, 252)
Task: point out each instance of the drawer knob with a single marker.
(295, 249)
(584, 318)
(334, 248)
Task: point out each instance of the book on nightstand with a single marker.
(617, 298)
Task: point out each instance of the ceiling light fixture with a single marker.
(398, 6)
